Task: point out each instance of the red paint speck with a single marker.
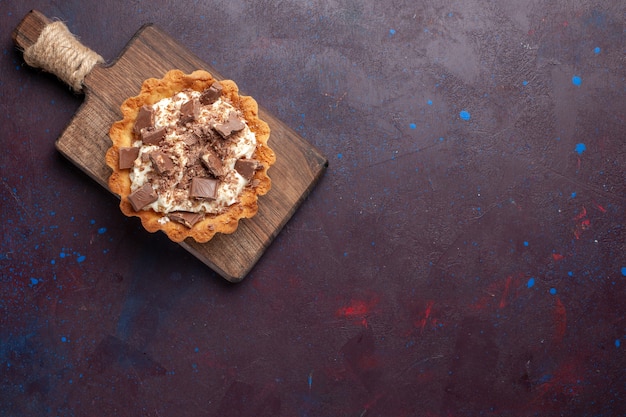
(358, 309)
(425, 317)
(499, 294)
(582, 214)
(583, 223)
(505, 293)
(599, 207)
(560, 320)
(557, 257)
(372, 402)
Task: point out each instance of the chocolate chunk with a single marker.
(127, 156)
(189, 111)
(201, 130)
(190, 139)
(152, 136)
(145, 118)
(143, 196)
(206, 133)
(213, 163)
(233, 124)
(211, 94)
(161, 162)
(247, 167)
(186, 218)
(203, 188)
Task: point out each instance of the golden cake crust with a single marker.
(121, 134)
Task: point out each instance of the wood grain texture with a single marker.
(151, 53)
(27, 32)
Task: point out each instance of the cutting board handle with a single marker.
(49, 45)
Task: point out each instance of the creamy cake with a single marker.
(190, 156)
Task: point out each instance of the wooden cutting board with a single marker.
(151, 53)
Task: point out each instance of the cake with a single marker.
(190, 156)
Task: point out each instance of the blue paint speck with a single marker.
(531, 283)
(580, 148)
(92, 221)
(81, 258)
(525, 243)
(597, 50)
(465, 115)
(570, 273)
(623, 270)
(617, 343)
(430, 102)
(102, 230)
(553, 291)
(545, 378)
(576, 80)
(525, 82)
(392, 32)
(339, 155)
(441, 139)
(64, 339)
(33, 282)
(573, 194)
(62, 255)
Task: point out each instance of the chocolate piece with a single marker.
(233, 124)
(161, 162)
(202, 131)
(186, 218)
(152, 136)
(127, 156)
(211, 94)
(247, 167)
(190, 139)
(189, 111)
(203, 188)
(143, 196)
(145, 118)
(213, 163)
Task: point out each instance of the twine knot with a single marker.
(59, 52)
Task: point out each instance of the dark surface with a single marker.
(442, 267)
